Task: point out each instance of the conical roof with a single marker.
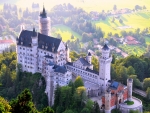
(43, 13)
(105, 47)
(89, 54)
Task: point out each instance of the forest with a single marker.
(13, 82)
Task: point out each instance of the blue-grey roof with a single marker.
(105, 47)
(69, 63)
(84, 62)
(114, 85)
(51, 63)
(89, 54)
(92, 71)
(60, 69)
(43, 41)
(47, 56)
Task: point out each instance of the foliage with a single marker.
(71, 99)
(23, 103)
(129, 102)
(47, 110)
(136, 82)
(134, 111)
(146, 83)
(95, 63)
(148, 93)
(78, 82)
(13, 83)
(4, 106)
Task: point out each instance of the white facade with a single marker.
(105, 66)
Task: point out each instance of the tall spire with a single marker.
(43, 13)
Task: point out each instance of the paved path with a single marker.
(140, 92)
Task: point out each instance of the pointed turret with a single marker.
(105, 47)
(89, 54)
(34, 34)
(43, 13)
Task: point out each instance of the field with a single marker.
(133, 49)
(96, 5)
(147, 39)
(135, 20)
(65, 32)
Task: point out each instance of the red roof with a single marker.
(130, 38)
(6, 41)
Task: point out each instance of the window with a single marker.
(20, 48)
(23, 48)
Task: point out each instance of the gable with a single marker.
(61, 46)
(78, 63)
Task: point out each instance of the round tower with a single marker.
(108, 101)
(89, 58)
(129, 88)
(44, 23)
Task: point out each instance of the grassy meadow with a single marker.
(65, 32)
(135, 20)
(133, 49)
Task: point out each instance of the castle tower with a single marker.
(108, 101)
(89, 58)
(34, 46)
(105, 66)
(44, 23)
(129, 88)
(67, 52)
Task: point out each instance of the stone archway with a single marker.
(120, 101)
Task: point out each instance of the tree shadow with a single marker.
(123, 18)
(144, 15)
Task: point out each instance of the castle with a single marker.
(39, 52)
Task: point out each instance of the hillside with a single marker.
(97, 5)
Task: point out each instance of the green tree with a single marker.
(146, 83)
(68, 111)
(4, 106)
(121, 21)
(96, 108)
(95, 63)
(136, 82)
(78, 82)
(148, 93)
(57, 97)
(85, 110)
(130, 70)
(47, 110)
(23, 103)
(134, 111)
(89, 105)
